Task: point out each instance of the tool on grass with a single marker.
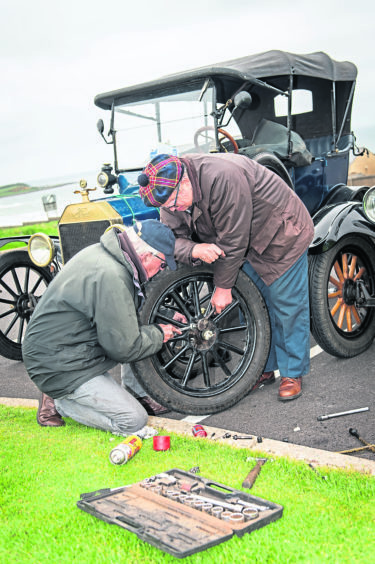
(225, 436)
(234, 504)
(355, 433)
(331, 415)
(194, 470)
(316, 472)
(253, 474)
(178, 518)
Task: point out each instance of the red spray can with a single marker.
(199, 431)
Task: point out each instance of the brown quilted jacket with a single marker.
(247, 210)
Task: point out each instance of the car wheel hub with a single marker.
(25, 305)
(349, 292)
(203, 335)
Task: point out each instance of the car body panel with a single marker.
(336, 221)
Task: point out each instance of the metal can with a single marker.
(236, 518)
(216, 511)
(250, 514)
(226, 515)
(125, 450)
(199, 431)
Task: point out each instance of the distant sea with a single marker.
(28, 206)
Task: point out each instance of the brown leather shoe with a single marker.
(290, 388)
(47, 415)
(265, 379)
(152, 407)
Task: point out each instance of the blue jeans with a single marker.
(287, 300)
(103, 404)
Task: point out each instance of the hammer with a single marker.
(253, 474)
(355, 433)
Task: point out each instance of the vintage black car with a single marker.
(292, 114)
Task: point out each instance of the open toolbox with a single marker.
(179, 512)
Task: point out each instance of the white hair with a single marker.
(138, 243)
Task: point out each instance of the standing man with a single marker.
(86, 323)
(228, 210)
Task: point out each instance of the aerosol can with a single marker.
(199, 431)
(125, 450)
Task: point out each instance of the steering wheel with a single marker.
(222, 132)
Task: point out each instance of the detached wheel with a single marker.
(22, 284)
(218, 358)
(338, 324)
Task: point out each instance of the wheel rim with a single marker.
(209, 339)
(21, 287)
(348, 268)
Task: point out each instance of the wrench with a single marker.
(238, 504)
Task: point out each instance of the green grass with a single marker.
(43, 471)
(14, 189)
(20, 188)
(49, 228)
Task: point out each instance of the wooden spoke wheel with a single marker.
(201, 138)
(342, 325)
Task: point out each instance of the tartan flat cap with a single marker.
(159, 178)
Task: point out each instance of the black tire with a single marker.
(182, 376)
(22, 284)
(270, 161)
(340, 327)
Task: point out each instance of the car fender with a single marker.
(21, 239)
(17, 239)
(333, 222)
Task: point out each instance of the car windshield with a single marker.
(175, 124)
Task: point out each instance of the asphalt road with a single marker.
(334, 385)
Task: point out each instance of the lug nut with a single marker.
(207, 335)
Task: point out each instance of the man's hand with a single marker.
(177, 316)
(207, 252)
(221, 298)
(169, 331)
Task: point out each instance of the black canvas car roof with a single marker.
(250, 68)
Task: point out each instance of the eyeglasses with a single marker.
(162, 260)
(175, 200)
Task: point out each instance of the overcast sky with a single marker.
(56, 56)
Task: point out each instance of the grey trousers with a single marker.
(103, 404)
(129, 382)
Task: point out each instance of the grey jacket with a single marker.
(86, 321)
(247, 210)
